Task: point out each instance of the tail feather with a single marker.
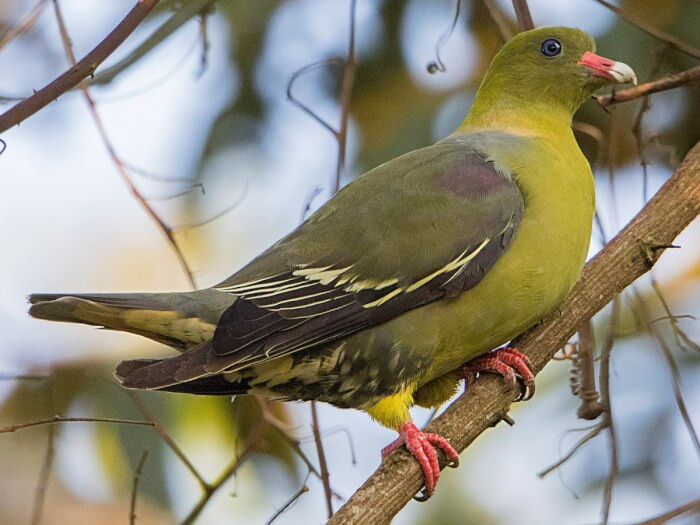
(208, 385)
(180, 320)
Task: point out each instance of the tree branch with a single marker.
(662, 84)
(668, 516)
(81, 70)
(522, 12)
(630, 254)
(59, 419)
(135, 487)
(654, 31)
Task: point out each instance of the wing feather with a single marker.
(362, 259)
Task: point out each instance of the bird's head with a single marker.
(554, 67)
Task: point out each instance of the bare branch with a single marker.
(630, 254)
(668, 516)
(345, 95)
(662, 84)
(81, 70)
(59, 419)
(638, 127)
(597, 429)
(654, 31)
(185, 12)
(608, 421)
(325, 475)
(672, 366)
(166, 230)
(135, 487)
(44, 477)
(163, 433)
(226, 473)
(25, 25)
(23, 377)
(522, 12)
(500, 19)
(298, 103)
(299, 493)
(437, 65)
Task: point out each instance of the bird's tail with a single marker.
(180, 320)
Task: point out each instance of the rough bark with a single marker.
(629, 255)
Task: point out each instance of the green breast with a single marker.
(532, 277)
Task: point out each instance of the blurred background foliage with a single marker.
(196, 100)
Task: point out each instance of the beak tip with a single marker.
(622, 74)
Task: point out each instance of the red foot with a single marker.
(506, 362)
(422, 446)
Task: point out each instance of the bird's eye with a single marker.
(551, 47)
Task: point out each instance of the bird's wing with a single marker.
(424, 226)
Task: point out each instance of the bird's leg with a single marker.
(507, 362)
(422, 446)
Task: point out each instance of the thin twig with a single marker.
(668, 516)
(325, 475)
(346, 432)
(163, 433)
(23, 377)
(135, 487)
(522, 12)
(667, 318)
(304, 488)
(166, 230)
(672, 366)
(204, 37)
(671, 81)
(226, 473)
(212, 218)
(25, 25)
(283, 429)
(437, 65)
(59, 419)
(566, 457)
(638, 130)
(638, 127)
(80, 70)
(500, 19)
(185, 12)
(682, 339)
(677, 393)
(608, 420)
(45, 475)
(298, 103)
(654, 31)
(345, 96)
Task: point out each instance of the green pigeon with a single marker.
(420, 265)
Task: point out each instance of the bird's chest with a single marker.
(534, 275)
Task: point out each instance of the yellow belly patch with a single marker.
(392, 411)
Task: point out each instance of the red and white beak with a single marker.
(618, 72)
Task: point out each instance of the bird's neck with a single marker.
(514, 115)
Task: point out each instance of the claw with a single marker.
(506, 362)
(422, 445)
